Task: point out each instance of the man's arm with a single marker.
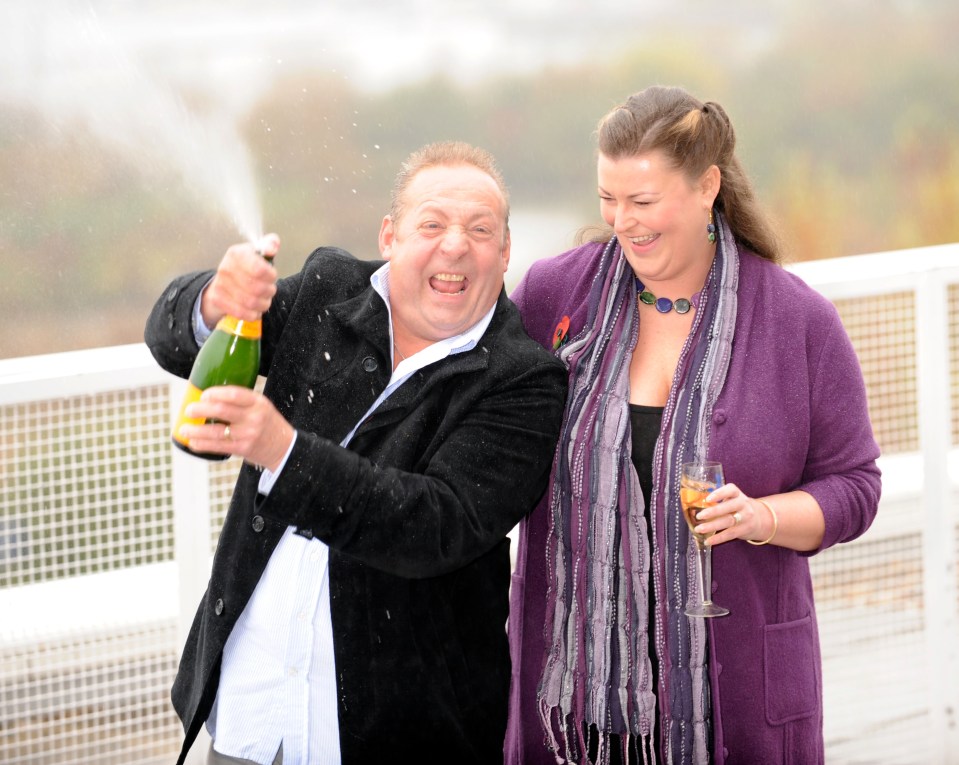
(484, 474)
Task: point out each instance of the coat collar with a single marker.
(366, 315)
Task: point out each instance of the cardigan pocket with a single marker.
(790, 676)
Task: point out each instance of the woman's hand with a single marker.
(798, 523)
(733, 515)
(248, 426)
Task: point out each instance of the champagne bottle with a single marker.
(230, 356)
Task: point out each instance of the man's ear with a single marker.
(386, 237)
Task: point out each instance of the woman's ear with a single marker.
(709, 185)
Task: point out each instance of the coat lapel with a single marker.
(367, 313)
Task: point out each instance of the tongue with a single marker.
(446, 287)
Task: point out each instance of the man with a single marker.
(356, 607)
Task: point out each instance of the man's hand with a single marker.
(249, 426)
(245, 283)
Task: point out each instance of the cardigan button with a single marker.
(719, 416)
(218, 607)
(369, 364)
(258, 523)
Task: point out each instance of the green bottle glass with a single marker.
(230, 356)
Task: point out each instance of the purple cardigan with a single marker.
(792, 415)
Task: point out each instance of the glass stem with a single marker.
(706, 572)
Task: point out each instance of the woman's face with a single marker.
(659, 216)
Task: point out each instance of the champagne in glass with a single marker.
(697, 481)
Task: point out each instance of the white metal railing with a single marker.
(931, 276)
(106, 534)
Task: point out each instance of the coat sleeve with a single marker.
(483, 470)
(169, 329)
(841, 470)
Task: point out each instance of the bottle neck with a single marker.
(240, 328)
(252, 330)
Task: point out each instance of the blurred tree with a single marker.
(927, 171)
(829, 106)
(810, 204)
(845, 114)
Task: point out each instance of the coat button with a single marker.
(218, 607)
(258, 523)
(171, 295)
(369, 364)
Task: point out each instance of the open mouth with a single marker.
(641, 240)
(448, 284)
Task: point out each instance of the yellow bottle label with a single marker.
(234, 326)
(192, 394)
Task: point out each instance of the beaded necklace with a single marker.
(663, 305)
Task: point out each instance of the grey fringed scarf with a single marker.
(597, 670)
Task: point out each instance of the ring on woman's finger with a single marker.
(226, 432)
(737, 518)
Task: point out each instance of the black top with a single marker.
(645, 422)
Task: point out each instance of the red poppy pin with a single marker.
(561, 332)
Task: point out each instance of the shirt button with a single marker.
(218, 607)
(258, 523)
(369, 364)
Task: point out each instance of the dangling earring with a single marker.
(711, 227)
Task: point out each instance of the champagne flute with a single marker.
(697, 481)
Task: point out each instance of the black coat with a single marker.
(415, 512)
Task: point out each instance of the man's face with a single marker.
(448, 253)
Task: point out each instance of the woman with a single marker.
(741, 362)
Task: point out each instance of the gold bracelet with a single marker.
(775, 524)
